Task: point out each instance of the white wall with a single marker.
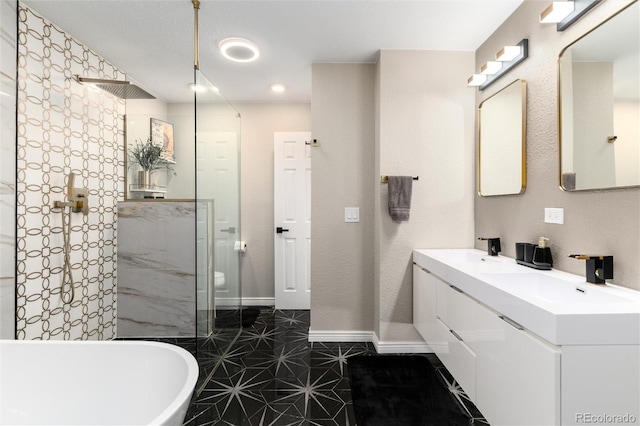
(411, 114)
(258, 124)
(626, 118)
(8, 49)
(425, 128)
(596, 222)
(593, 156)
(342, 272)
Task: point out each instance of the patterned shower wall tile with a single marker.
(65, 127)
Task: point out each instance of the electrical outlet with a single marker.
(554, 215)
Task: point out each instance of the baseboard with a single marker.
(258, 301)
(400, 347)
(371, 337)
(340, 336)
(245, 301)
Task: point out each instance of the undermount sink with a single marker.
(554, 290)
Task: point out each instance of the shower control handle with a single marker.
(280, 230)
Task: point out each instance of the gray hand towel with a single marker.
(400, 197)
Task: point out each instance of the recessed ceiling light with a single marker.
(239, 49)
(198, 88)
(201, 88)
(277, 87)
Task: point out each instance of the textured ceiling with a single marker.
(152, 41)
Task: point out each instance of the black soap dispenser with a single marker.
(542, 254)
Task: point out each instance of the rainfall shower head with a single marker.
(120, 88)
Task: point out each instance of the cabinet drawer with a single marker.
(458, 358)
(456, 310)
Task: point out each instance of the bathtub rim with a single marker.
(183, 397)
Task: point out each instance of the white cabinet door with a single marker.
(599, 380)
(517, 374)
(424, 304)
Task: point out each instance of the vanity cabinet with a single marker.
(531, 347)
(512, 376)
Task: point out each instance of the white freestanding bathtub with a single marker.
(94, 383)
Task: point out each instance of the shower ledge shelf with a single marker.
(148, 189)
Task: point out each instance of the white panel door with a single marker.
(292, 219)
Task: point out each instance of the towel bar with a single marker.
(385, 178)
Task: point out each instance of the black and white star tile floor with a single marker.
(272, 375)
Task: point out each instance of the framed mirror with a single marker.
(599, 113)
(502, 133)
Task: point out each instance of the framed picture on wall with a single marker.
(162, 134)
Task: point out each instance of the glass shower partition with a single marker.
(217, 176)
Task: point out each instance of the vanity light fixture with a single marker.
(508, 53)
(491, 67)
(556, 12)
(476, 80)
(565, 13)
(506, 58)
(239, 49)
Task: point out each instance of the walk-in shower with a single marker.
(64, 150)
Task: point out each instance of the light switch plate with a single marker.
(352, 214)
(554, 215)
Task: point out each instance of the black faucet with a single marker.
(493, 245)
(599, 268)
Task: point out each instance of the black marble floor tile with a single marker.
(272, 375)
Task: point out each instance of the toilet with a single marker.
(218, 279)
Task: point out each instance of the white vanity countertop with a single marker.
(560, 307)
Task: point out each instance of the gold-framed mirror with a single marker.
(598, 103)
(502, 130)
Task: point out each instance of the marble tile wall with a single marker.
(8, 47)
(65, 127)
(156, 269)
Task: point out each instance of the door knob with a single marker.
(280, 230)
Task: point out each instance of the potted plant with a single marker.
(149, 156)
